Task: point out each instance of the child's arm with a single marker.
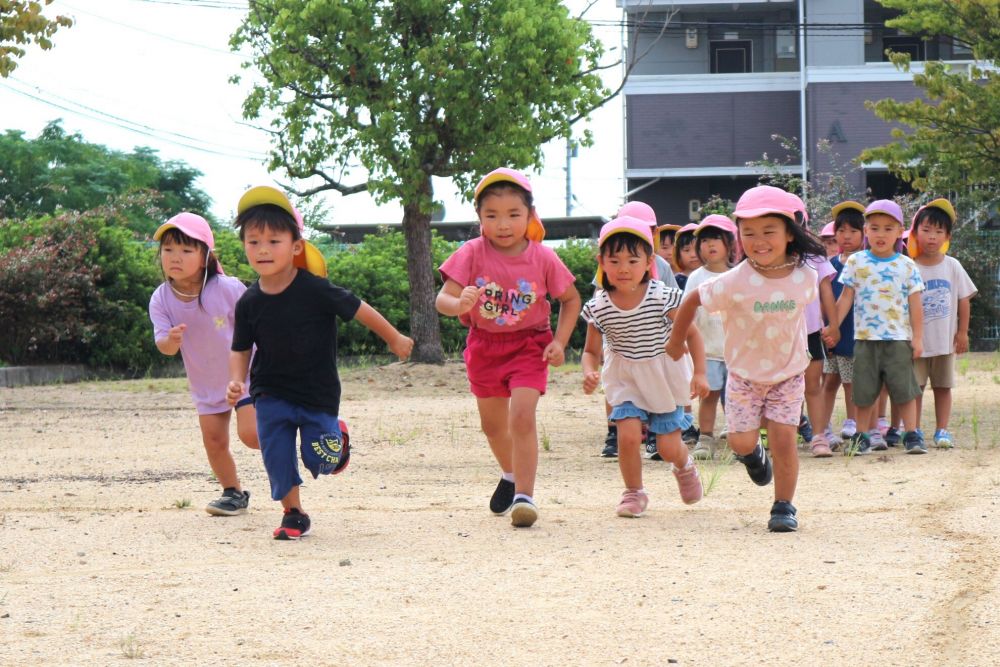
(569, 311)
(239, 365)
(683, 317)
(844, 304)
(696, 346)
(591, 359)
(962, 335)
(399, 344)
(172, 343)
(829, 307)
(454, 300)
(917, 324)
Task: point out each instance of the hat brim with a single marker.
(667, 228)
(500, 177)
(761, 212)
(883, 212)
(264, 194)
(847, 205)
(311, 259)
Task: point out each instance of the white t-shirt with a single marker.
(710, 325)
(944, 284)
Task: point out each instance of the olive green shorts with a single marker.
(884, 361)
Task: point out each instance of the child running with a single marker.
(291, 314)
(497, 285)
(628, 322)
(946, 309)
(884, 287)
(715, 242)
(762, 302)
(685, 253)
(192, 313)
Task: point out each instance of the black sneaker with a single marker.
(231, 503)
(294, 524)
(893, 436)
(782, 518)
(758, 465)
(858, 445)
(913, 443)
(805, 429)
(690, 435)
(651, 452)
(503, 497)
(610, 443)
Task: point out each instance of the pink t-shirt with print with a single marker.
(516, 286)
(764, 321)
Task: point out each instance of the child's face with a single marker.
(666, 248)
(182, 263)
(765, 240)
(883, 232)
(270, 252)
(504, 219)
(931, 237)
(624, 270)
(689, 258)
(849, 239)
(832, 249)
(714, 252)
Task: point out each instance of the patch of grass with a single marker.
(963, 365)
(975, 426)
(712, 472)
(182, 503)
(546, 441)
(6, 566)
(131, 648)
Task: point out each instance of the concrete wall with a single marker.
(17, 376)
(835, 48)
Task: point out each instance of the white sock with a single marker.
(507, 476)
(522, 496)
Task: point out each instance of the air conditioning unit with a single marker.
(694, 210)
(691, 38)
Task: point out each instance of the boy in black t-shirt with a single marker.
(291, 316)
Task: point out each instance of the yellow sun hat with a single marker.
(310, 259)
(536, 230)
(912, 245)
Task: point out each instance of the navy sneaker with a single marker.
(893, 436)
(913, 443)
(690, 435)
(231, 503)
(858, 445)
(805, 429)
(294, 524)
(651, 452)
(610, 443)
(503, 497)
(758, 465)
(782, 518)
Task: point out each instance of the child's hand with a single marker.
(918, 348)
(961, 342)
(675, 348)
(830, 336)
(699, 385)
(176, 334)
(590, 381)
(554, 353)
(468, 298)
(233, 392)
(401, 346)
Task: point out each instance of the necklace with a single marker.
(180, 293)
(775, 267)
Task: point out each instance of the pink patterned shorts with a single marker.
(748, 403)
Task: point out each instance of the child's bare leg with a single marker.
(629, 459)
(671, 448)
(850, 410)
(495, 421)
(883, 400)
(942, 407)
(246, 426)
(784, 457)
(865, 414)
(707, 409)
(524, 438)
(743, 443)
(908, 413)
(215, 436)
(292, 500)
(814, 396)
(831, 383)
(920, 406)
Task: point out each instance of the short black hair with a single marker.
(631, 244)
(852, 217)
(936, 217)
(267, 216)
(709, 233)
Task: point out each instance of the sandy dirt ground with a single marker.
(107, 557)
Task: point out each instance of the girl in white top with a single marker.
(633, 315)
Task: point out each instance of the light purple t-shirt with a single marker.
(207, 339)
(814, 312)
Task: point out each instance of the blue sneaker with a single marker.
(942, 439)
(913, 443)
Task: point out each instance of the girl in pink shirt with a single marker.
(192, 313)
(762, 302)
(498, 286)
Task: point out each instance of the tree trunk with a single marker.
(425, 329)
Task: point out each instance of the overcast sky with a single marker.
(155, 73)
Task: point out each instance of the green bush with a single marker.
(579, 256)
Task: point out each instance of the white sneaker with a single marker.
(705, 449)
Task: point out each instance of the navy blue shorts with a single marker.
(324, 445)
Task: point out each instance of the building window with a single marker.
(914, 46)
(732, 56)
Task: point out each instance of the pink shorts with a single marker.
(748, 403)
(499, 362)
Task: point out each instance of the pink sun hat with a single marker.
(626, 225)
(689, 227)
(827, 231)
(640, 210)
(192, 225)
(769, 200)
(536, 230)
(719, 222)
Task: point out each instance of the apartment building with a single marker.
(723, 78)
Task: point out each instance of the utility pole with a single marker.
(570, 154)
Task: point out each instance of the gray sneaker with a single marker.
(878, 440)
(705, 449)
(231, 503)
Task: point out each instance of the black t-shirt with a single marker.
(296, 337)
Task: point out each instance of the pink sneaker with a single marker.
(633, 504)
(820, 447)
(688, 482)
